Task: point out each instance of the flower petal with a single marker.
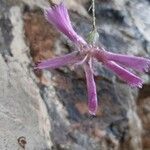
(59, 17)
(59, 61)
(124, 74)
(138, 63)
(91, 87)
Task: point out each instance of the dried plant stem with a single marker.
(93, 12)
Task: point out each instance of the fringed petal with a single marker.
(138, 63)
(59, 17)
(59, 61)
(91, 88)
(124, 74)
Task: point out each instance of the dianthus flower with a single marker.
(87, 53)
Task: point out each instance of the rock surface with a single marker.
(44, 110)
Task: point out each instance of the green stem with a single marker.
(93, 12)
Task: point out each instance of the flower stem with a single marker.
(93, 36)
(93, 12)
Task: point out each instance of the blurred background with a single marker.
(47, 110)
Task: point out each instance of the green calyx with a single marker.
(93, 37)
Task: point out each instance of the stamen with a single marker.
(82, 61)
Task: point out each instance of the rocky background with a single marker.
(47, 110)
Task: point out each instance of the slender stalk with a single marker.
(93, 13)
(93, 36)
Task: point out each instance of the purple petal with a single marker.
(124, 74)
(100, 54)
(59, 61)
(59, 17)
(138, 63)
(91, 87)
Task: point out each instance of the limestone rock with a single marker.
(46, 110)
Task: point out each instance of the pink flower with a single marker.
(86, 53)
